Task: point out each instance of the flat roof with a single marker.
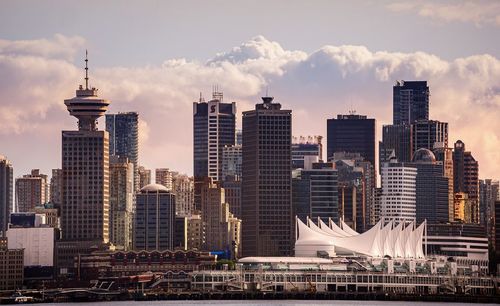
(302, 260)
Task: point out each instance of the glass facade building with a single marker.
(6, 193)
(410, 102)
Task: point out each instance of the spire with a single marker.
(86, 69)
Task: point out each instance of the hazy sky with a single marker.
(317, 57)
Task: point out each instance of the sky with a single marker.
(318, 58)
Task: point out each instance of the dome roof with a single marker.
(423, 155)
(154, 188)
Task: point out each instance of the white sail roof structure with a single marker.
(348, 229)
(334, 227)
(379, 241)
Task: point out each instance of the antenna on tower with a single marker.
(86, 69)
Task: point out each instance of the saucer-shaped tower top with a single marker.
(86, 106)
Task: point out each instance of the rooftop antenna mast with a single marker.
(86, 69)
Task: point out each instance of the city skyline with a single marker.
(317, 80)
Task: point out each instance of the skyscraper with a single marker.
(6, 193)
(444, 157)
(154, 219)
(397, 139)
(266, 181)
(410, 102)
(144, 177)
(231, 161)
(123, 129)
(306, 150)
(85, 170)
(352, 134)
(183, 188)
(488, 194)
(429, 133)
(56, 188)
(121, 193)
(31, 190)
(163, 176)
(466, 177)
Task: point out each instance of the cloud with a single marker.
(477, 12)
(316, 86)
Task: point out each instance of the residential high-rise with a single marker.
(432, 188)
(154, 219)
(466, 177)
(85, 171)
(144, 177)
(163, 176)
(399, 192)
(6, 193)
(397, 139)
(428, 134)
(266, 193)
(31, 190)
(352, 134)
(488, 194)
(123, 129)
(214, 126)
(314, 193)
(410, 102)
(56, 188)
(121, 193)
(231, 161)
(183, 188)
(306, 150)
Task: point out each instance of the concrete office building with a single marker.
(488, 194)
(6, 193)
(56, 184)
(466, 178)
(352, 134)
(306, 150)
(232, 187)
(123, 129)
(444, 157)
(31, 190)
(154, 226)
(195, 233)
(231, 161)
(428, 134)
(121, 194)
(410, 102)
(183, 188)
(266, 195)
(85, 171)
(11, 266)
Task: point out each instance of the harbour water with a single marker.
(262, 302)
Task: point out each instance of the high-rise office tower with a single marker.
(444, 157)
(154, 227)
(496, 229)
(428, 134)
(85, 171)
(144, 177)
(31, 190)
(183, 188)
(6, 193)
(163, 176)
(231, 161)
(397, 138)
(410, 102)
(399, 192)
(488, 194)
(214, 127)
(466, 179)
(266, 194)
(432, 188)
(123, 129)
(306, 150)
(56, 188)
(314, 193)
(121, 193)
(352, 134)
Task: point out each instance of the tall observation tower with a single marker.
(85, 170)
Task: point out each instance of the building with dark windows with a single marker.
(85, 171)
(6, 193)
(488, 194)
(314, 193)
(266, 196)
(123, 129)
(11, 266)
(397, 139)
(432, 188)
(154, 223)
(56, 188)
(466, 178)
(306, 150)
(429, 133)
(351, 134)
(444, 157)
(31, 190)
(496, 236)
(410, 102)
(214, 126)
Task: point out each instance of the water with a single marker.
(262, 302)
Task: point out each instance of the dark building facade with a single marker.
(410, 102)
(314, 193)
(123, 129)
(266, 198)
(428, 133)
(397, 139)
(154, 219)
(466, 177)
(351, 134)
(6, 193)
(305, 148)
